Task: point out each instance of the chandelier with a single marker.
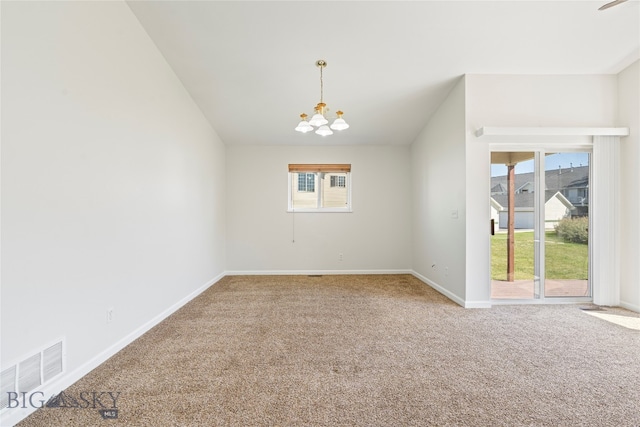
(318, 120)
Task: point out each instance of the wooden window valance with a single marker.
(319, 167)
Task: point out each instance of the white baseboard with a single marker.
(310, 272)
(453, 297)
(12, 416)
(477, 304)
(629, 306)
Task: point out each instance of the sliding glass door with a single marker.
(540, 217)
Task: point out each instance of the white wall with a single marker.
(374, 237)
(629, 116)
(113, 183)
(520, 101)
(553, 101)
(438, 176)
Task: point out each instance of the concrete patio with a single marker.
(523, 289)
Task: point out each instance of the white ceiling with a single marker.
(250, 65)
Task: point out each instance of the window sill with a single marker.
(326, 210)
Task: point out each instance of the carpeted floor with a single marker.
(363, 351)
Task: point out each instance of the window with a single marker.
(338, 181)
(306, 182)
(319, 188)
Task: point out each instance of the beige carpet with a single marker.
(364, 351)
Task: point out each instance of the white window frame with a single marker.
(338, 181)
(306, 182)
(319, 186)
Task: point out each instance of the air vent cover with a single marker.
(29, 374)
(7, 385)
(32, 372)
(51, 361)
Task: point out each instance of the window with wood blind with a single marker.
(319, 188)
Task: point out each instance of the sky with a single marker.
(552, 161)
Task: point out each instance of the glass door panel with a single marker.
(513, 189)
(566, 223)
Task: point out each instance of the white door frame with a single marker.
(604, 146)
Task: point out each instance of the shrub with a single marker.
(574, 230)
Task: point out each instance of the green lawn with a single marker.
(563, 260)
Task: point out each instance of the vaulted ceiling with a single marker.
(250, 66)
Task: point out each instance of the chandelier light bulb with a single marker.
(304, 125)
(339, 123)
(318, 120)
(324, 131)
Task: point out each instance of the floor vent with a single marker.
(31, 373)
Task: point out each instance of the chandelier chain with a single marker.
(321, 85)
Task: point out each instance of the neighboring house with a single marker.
(334, 192)
(556, 207)
(527, 187)
(495, 212)
(572, 200)
(499, 188)
(573, 183)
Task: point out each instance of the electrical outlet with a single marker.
(340, 257)
(110, 315)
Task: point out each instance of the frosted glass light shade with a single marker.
(324, 130)
(339, 124)
(304, 127)
(318, 120)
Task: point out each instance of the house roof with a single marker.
(250, 66)
(556, 179)
(526, 200)
(499, 188)
(575, 177)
